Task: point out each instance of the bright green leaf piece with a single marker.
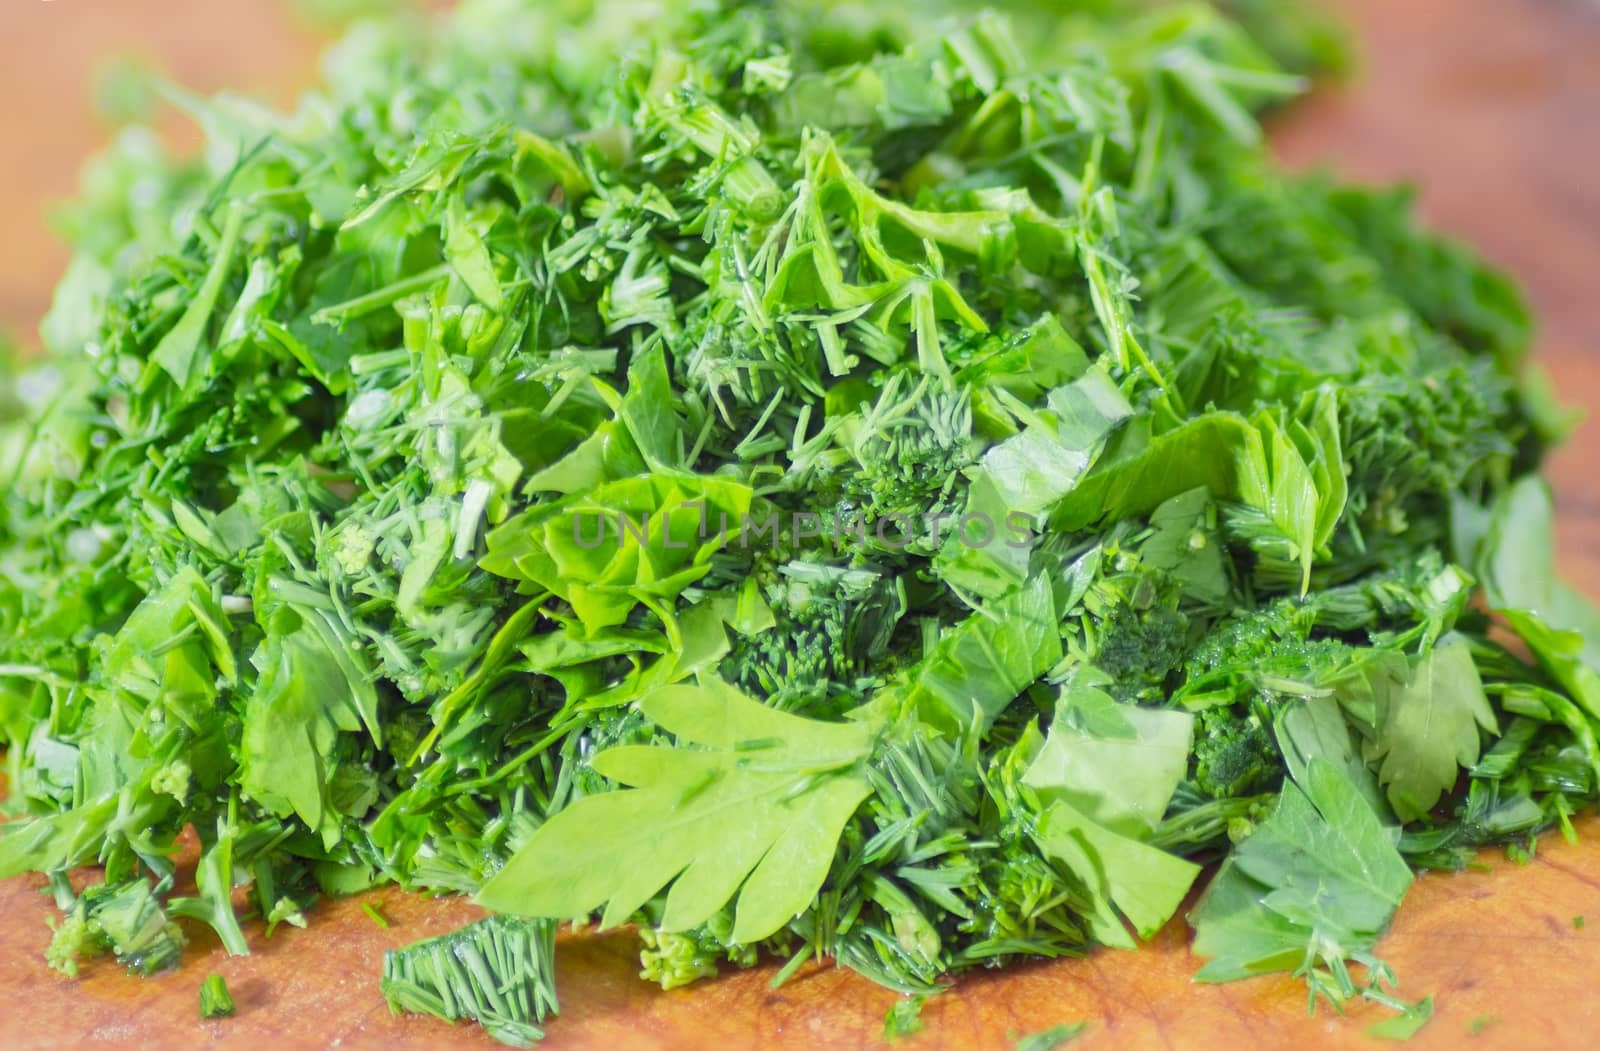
(1117, 764)
(1406, 1024)
(1320, 872)
(1128, 881)
(1428, 727)
(215, 1002)
(786, 784)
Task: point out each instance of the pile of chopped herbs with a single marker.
(812, 481)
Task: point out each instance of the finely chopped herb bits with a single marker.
(807, 480)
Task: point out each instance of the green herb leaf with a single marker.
(1405, 1025)
(790, 783)
(1052, 1038)
(1428, 728)
(1117, 764)
(1319, 879)
(214, 999)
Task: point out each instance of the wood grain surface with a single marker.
(1493, 105)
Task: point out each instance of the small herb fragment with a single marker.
(214, 999)
(1405, 1025)
(673, 960)
(126, 920)
(1054, 1037)
(904, 1018)
(497, 972)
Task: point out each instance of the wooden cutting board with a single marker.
(1494, 105)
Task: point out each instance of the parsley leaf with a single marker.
(789, 783)
(1316, 884)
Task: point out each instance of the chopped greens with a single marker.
(1052, 1038)
(1406, 1024)
(374, 913)
(904, 1018)
(814, 481)
(214, 999)
(1313, 886)
(126, 920)
(499, 972)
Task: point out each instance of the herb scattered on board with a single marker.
(214, 999)
(1406, 1024)
(497, 972)
(1052, 1038)
(904, 1018)
(817, 484)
